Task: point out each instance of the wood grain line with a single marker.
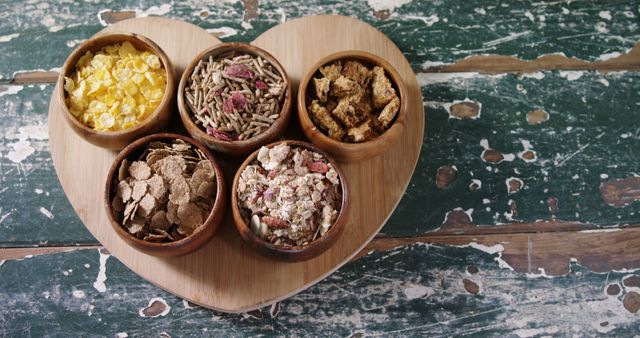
(485, 64)
(494, 64)
(21, 253)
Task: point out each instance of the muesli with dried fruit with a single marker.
(289, 195)
(235, 96)
(166, 194)
(352, 103)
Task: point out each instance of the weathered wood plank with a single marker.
(555, 167)
(418, 290)
(430, 33)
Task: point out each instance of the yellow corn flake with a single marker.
(116, 88)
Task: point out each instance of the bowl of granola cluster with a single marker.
(234, 98)
(115, 88)
(165, 195)
(352, 104)
(290, 201)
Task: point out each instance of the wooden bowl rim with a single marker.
(371, 58)
(336, 228)
(69, 67)
(218, 204)
(285, 111)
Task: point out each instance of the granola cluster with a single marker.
(166, 194)
(351, 102)
(289, 195)
(235, 96)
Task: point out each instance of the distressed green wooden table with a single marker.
(521, 218)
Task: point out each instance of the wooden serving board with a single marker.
(225, 274)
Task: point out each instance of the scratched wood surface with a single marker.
(583, 178)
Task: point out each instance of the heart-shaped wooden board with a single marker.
(225, 274)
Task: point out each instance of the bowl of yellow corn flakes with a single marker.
(116, 88)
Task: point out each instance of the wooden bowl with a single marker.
(117, 140)
(294, 253)
(344, 151)
(186, 245)
(238, 147)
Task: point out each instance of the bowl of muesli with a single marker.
(290, 201)
(234, 98)
(165, 195)
(352, 104)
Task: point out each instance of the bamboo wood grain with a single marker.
(226, 274)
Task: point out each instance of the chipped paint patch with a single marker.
(102, 273)
(514, 185)
(23, 148)
(571, 75)
(605, 15)
(609, 56)
(534, 75)
(78, 294)
(8, 37)
(46, 212)
(464, 109)
(389, 5)
(10, 90)
(417, 291)
(426, 79)
(475, 184)
(222, 32)
(157, 307)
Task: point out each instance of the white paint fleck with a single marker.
(46, 212)
(417, 291)
(565, 10)
(477, 183)
(571, 75)
(10, 90)
(78, 294)
(484, 143)
(609, 56)
(480, 11)
(155, 10)
(508, 157)
(46, 294)
(164, 312)
(428, 20)
(429, 64)
(601, 27)
(8, 37)
(533, 75)
(186, 305)
(486, 201)
(425, 79)
(222, 32)
(530, 16)
(102, 273)
(390, 5)
(629, 14)
(510, 37)
(87, 266)
(604, 82)
(576, 177)
(541, 274)
(283, 14)
(592, 231)
(56, 28)
(605, 15)
(604, 176)
(246, 25)
(542, 331)
(122, 335)
(74, 42)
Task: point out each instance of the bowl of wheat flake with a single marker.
(165, 195)
(234, 98)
